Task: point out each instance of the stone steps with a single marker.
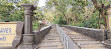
(50, 48)
(96, 45)
(94, 48)
(51, 41)
(83, 41)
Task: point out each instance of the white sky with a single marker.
(41, 3)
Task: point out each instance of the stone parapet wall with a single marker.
(40, 35)
(97, 34)
(5, 47)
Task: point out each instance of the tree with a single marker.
(12, 11)
(102, 8)
(5, 9)
(62, 6)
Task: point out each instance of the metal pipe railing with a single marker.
(66, 40)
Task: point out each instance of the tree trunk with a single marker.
(102, 10)
(67, 22)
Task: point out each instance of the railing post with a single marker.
(28, 36)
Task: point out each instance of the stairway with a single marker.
(84, 42)
(51, 41)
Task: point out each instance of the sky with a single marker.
(41, 3)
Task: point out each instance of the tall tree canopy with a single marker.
(86, 13)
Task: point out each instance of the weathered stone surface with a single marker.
(40, 35)
(97, 34)
(18, 39)
(29, 8)
(107, 43)
(28, 36)
(5, 47)
(50, 41)
(83, 41)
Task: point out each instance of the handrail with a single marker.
(66, 40)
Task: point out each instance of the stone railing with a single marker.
(41, 34)
(5, 47)
(18, 38)
(66, 40)
(97, 34)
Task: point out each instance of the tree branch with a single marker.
(95, 4)
(90, 14)
(107, 7)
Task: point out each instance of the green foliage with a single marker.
(64, 12)
(35, 25)
(16, 16)
(5, 9)
(12, 11)
(62, 6)
(60, 20)
(76, 12)
(92, 22)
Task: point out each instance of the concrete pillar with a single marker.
(109, 22)
(28, 17)
(28, 36)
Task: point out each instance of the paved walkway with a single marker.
(84, 42)
(51, 41)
